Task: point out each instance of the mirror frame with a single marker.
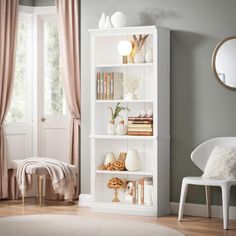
(213, 61)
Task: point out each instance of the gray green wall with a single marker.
(37, 2)
(200, 107)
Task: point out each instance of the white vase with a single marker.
(102, 21)
(148, 199)
(121, 128)
(128, 96)
(118, 19)
(139, 57)
(143, 113)
(109, 158)
(111, 128)
(149, 113)
(149, 56)
(107, 23)
(132, 162)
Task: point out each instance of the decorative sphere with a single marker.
(143, 113)
(118, 19)
(124, 47)
(149, 112)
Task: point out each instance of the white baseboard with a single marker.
(190, 209)
(201, 210)
(85, 200)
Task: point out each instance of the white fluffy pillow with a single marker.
(221, 163)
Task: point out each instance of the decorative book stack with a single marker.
(109, 85)
(140, 126)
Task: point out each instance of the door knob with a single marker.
(43, 119)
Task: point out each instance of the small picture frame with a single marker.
(129, 191)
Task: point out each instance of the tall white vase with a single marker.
(132, 162)
(149, 56)
(139, 56)
(102, 21)
(107, 23)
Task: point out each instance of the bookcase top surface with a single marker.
(125, 30)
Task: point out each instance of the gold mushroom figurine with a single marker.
(115, 183)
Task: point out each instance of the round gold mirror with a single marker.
(224, 62)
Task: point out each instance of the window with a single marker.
(54, 102)
(17, 111)
(52, 95)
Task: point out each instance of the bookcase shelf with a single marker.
(124, 65)
(125, 208)
(137, 173)
(110, 85)
(105, 136)
(125, 101)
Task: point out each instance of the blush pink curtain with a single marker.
(8, 32)
(69, 37)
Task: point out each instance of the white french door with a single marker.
(53, 121)
(37, 123)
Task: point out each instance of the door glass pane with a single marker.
(54, 102)
(17, 111)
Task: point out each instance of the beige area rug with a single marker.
(71, 225)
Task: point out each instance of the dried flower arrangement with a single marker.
(130, 86)
(115, 183)
(137, 44)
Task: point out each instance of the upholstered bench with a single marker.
(35, 170)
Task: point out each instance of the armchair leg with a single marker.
(184, 190)
(225, 204)
(208, 200)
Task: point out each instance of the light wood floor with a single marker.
(190, 226)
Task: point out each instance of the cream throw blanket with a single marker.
(63, 175)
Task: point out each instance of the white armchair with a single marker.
(200, 156)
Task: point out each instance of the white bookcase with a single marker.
(153, 93)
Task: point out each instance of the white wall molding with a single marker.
(45, 10)
(26, 9)
(190, 209)
(85, 200)
(201, 210)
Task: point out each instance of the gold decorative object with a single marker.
(110, 166)
(102, 167)
(122, 156)
(137, 44)
(119, 165)
(115, 183)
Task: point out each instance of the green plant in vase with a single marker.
(111, 128)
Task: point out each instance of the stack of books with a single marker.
(109, 85)
(140, 126)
